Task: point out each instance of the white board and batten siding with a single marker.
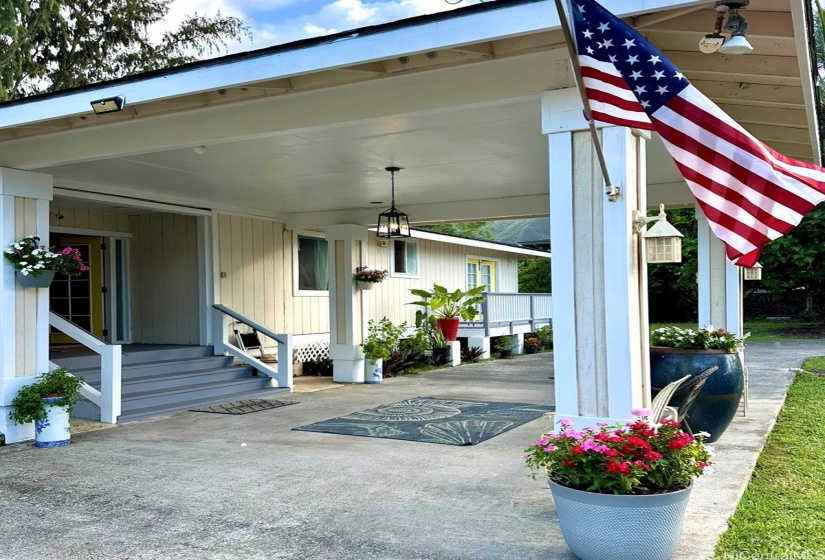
(255, 262)
(439, 263)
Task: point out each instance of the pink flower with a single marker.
(641, 412)
(550, 448)
(566, 422)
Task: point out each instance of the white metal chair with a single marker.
(659, 410)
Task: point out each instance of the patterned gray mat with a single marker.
(244, 407)
(449, 422)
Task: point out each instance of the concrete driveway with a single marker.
(196, 485)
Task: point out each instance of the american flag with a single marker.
(749, 193)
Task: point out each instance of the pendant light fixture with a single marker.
(392, 222)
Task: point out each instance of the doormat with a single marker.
(244, 407)
(448, 422)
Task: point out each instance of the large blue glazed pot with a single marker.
(718, 401)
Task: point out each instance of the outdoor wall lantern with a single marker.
(754, 273)
(664, 242)
(109, 105)
(393, 222)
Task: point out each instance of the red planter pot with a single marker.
(448, 327)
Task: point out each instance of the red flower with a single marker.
(638, 442)
(643, 465)
(577, 450)
(653, 455)
(570, 463)
(614, 467)
(611, 453)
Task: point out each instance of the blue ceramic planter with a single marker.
(718, 401)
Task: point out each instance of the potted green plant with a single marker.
(640, 471)
(431, 340)
(37, 264)
(545, 337)
(504, 346)
(382, 338)
(676, 352)
(47, 402)
(448, 308)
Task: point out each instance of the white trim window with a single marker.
(311, 264)
(404, 258)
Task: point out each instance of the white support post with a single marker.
(284, 376)
(519, 343)
(347, 250)
(455, 353)
(599, 307)
(24, 312)
(218, 332)
(110, 383)
(720, 282)
(482, 342)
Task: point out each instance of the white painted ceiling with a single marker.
(461, 133)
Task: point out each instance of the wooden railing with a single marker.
(109, 396)
(282, 374)
(506, 308)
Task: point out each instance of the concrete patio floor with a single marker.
(196, 485)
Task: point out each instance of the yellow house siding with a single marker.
(25, 223)
(256, 257)
(164, 267)
(89, 219)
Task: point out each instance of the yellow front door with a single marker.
(79, 299)
(481, 272)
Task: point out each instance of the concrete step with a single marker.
(141, 354)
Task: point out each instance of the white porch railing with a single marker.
(283, 374)
(109, 396)
(500, 309)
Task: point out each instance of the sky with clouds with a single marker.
(274, 22)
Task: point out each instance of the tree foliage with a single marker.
(471, 230)
(534, 276)
(672, 289)
(50, 45)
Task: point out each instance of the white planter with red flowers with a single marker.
(621, 490)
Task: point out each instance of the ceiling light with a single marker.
(393, 222)
(736, 26)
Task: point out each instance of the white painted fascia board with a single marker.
(800, 25)
(430, 236)
(495, 24)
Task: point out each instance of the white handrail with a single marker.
(283, 374)
(502, 308)
(111, 361)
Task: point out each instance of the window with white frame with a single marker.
(404, 258)
(312, 264)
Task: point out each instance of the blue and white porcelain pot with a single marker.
(373, 371)
(54, 430)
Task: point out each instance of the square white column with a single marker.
(24, 312)
(720, 282)
(600, 324)
(347, 250)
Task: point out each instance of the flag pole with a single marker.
(613, 191)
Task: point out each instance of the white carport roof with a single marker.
(303, 132)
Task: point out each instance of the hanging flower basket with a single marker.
(37, 264)
(42, 280)
(368, 277)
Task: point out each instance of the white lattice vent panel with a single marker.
(306, 349)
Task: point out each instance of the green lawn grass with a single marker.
(782, 513)
(768, 331)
